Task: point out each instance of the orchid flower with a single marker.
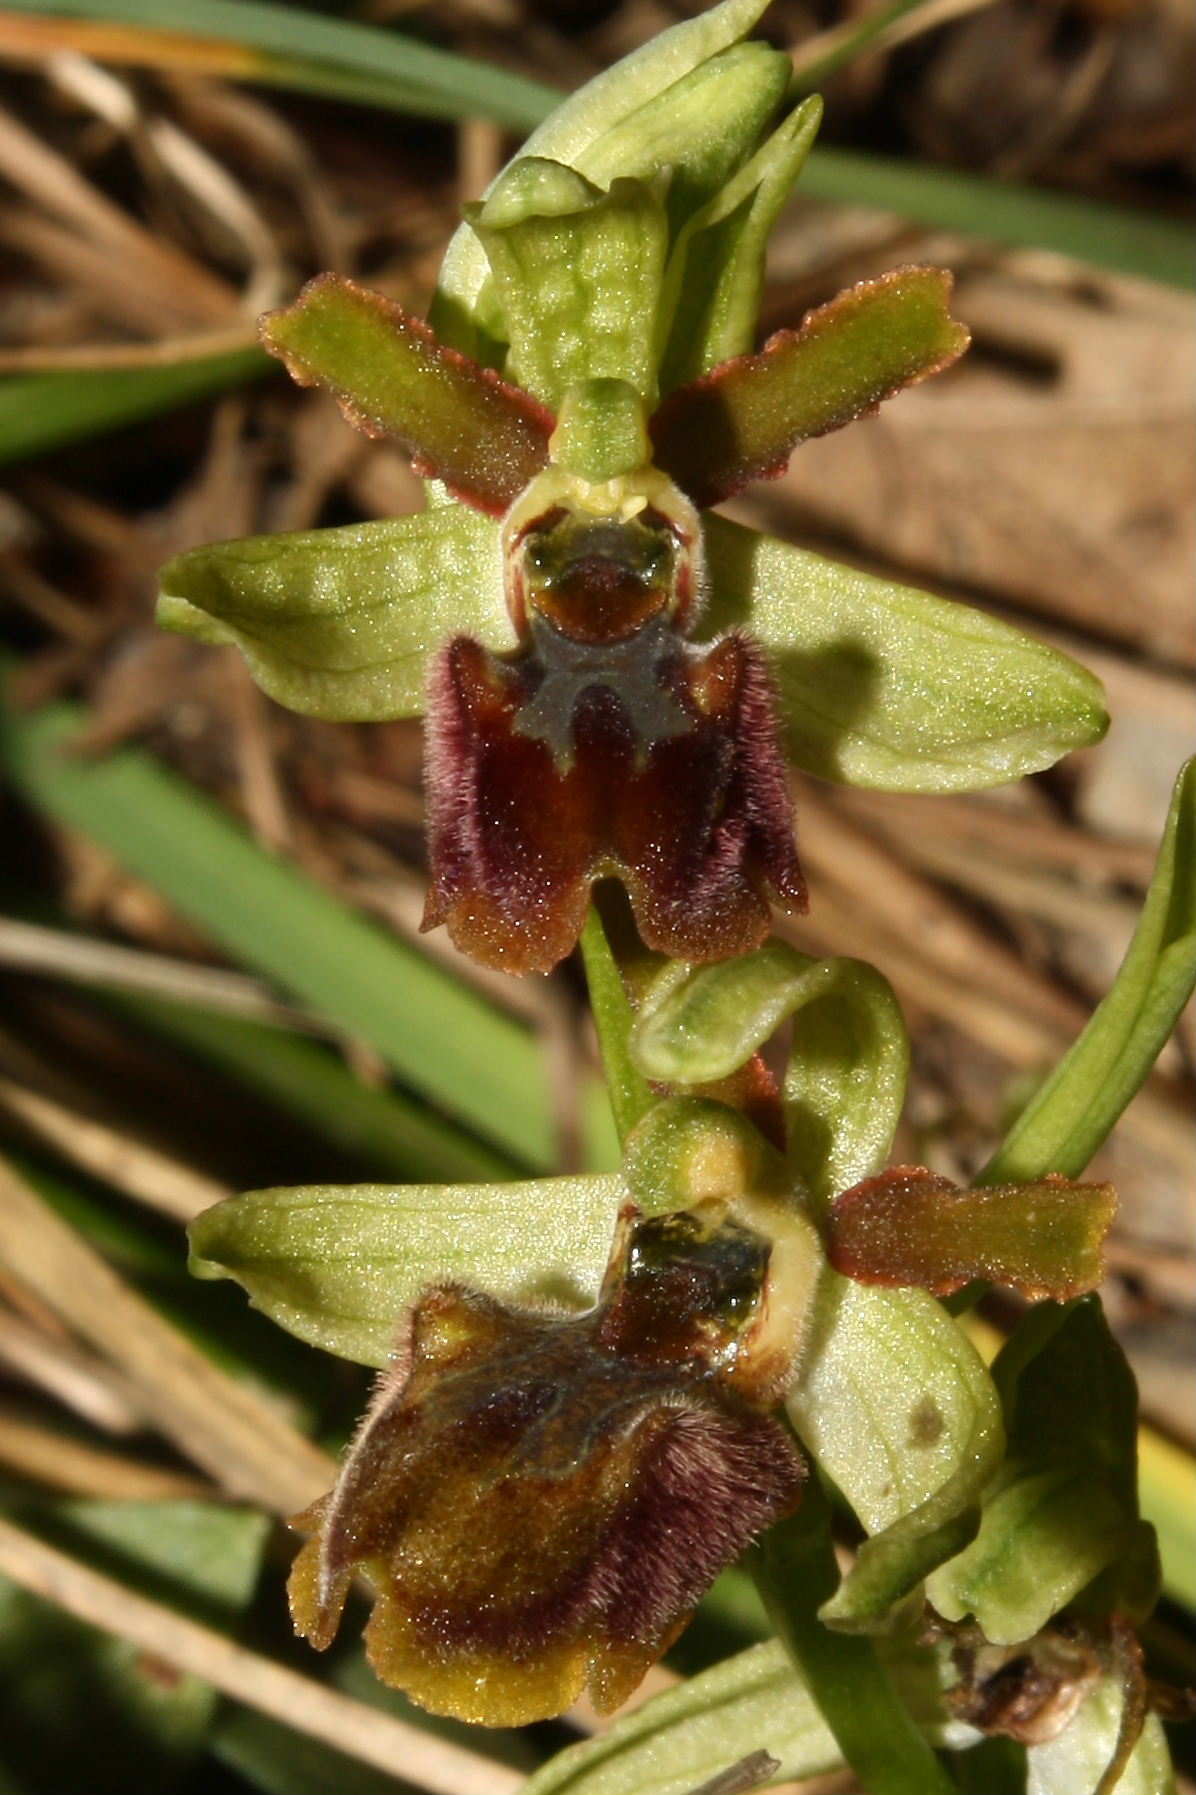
(613, 681)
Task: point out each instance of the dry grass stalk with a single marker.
(239, 1439)
(127, 1164)
(375, 1738)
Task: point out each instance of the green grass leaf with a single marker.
(387, 1130)
(81, 1712)
(45, 411)
(442, 1039)
(1076, 1109)
(979, 205)
(297, 48)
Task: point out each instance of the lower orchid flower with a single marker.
(539, 1499)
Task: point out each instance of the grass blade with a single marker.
(44, 411)
(293, 47)
(377, 1738)
(440, 1037)
(389, 1131)
(1075, 1110)
(979, 205)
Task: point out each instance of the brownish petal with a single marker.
(910, 1227)
(742, 421)
(391, 376)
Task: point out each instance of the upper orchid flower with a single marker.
(602, 668)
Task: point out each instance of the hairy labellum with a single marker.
(606, 745)
(540, 1500)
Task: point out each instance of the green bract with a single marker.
(1079, 1758)
(1063, 1508)
(750, 1702)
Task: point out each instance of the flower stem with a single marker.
(795, 1571)
(630, 1093)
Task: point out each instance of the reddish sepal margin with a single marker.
(742, 421)
(391, 376)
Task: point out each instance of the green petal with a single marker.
(578, 273)
(743, 421)
(845, 1083)
(716, 269)
(1064, 1506)
(340, 623)
(574, 134)
(338, 1264)
(885, 686)
(894, 1403)
(391, 377)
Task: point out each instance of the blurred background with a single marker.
(191, 1001)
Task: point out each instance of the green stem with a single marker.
(795, 1572)
(630, 1093)
(1077, 1107)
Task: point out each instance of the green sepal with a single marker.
(845, 1083)
(1063, 1508)
(578, 273)
(715, 274)
(1076, 1762)
(844, 1086)
(338, 1264)
(895, 1405)
(702, 129)
(743, 421)
(884, 686)
(340, 623)
(392, 377)
(596, 128)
